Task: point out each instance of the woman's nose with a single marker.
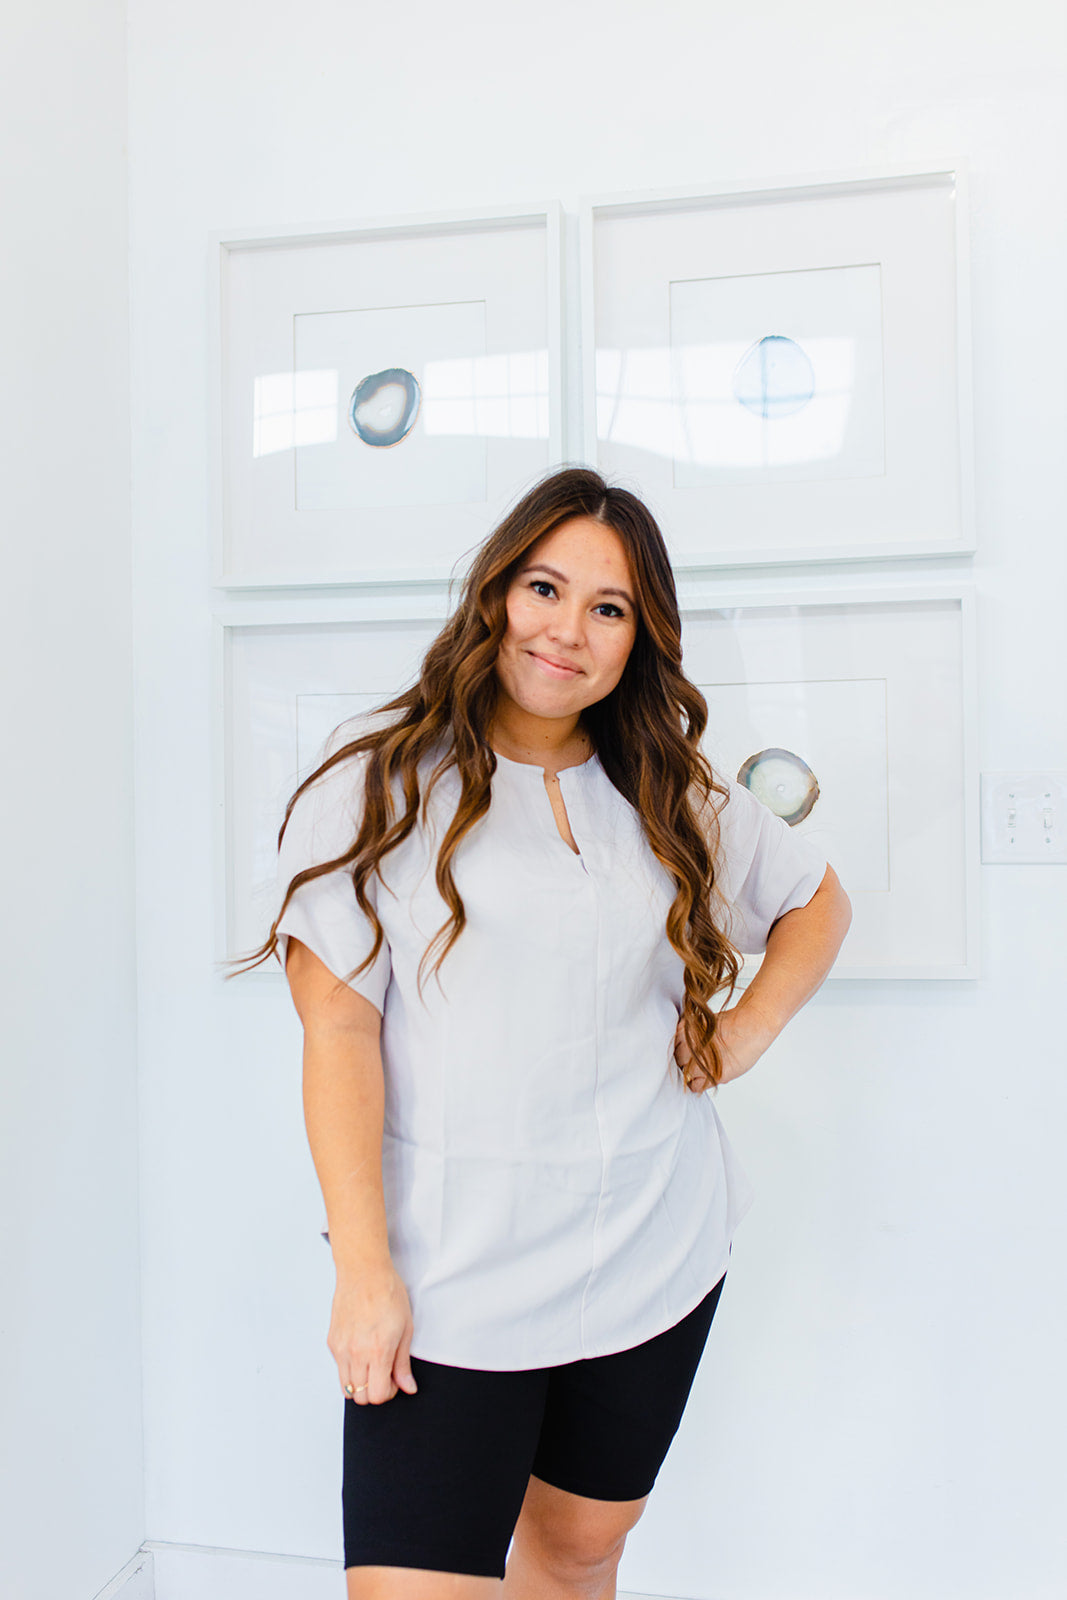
(567, 625)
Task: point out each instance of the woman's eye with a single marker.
(537, 584)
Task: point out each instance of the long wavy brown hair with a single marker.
(646, 734)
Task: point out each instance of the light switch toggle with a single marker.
(1024, 817)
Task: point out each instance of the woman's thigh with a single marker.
(609, 1420)
(434, 1481)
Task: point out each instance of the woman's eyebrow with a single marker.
(539, 566)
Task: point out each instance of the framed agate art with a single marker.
(851, 714)
(284, 681)
(384, 391)
(783, 371)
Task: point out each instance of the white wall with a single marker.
(71, 1499)
(881, 1408)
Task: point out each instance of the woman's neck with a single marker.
(551, 742)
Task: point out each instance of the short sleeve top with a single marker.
(552, 1189)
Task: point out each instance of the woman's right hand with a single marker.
(370, 1334)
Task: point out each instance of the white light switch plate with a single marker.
(1024, 816)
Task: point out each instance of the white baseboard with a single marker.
(136, 1581)
(202, 1572)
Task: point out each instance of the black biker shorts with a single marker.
(436, 1479)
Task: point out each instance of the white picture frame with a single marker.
(782, 369)
(875, 691)
(383, 391)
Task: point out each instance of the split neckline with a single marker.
(536, 766)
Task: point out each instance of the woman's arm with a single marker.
(801, 948)
(344, 1103)
(344, 1107)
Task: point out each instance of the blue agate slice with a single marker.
(774, 378)
(784, 783)
(384, 406)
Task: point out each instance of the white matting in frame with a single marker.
(286, 681)
(783, 370)
(385, 391)
(874, 693)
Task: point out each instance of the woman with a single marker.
(531, 884)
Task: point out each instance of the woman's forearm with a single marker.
(344, 1107)
(801, 948)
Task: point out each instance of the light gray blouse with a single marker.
(552, 1189)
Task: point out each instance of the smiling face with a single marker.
(572, 622)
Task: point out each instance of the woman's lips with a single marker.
(553, 669)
